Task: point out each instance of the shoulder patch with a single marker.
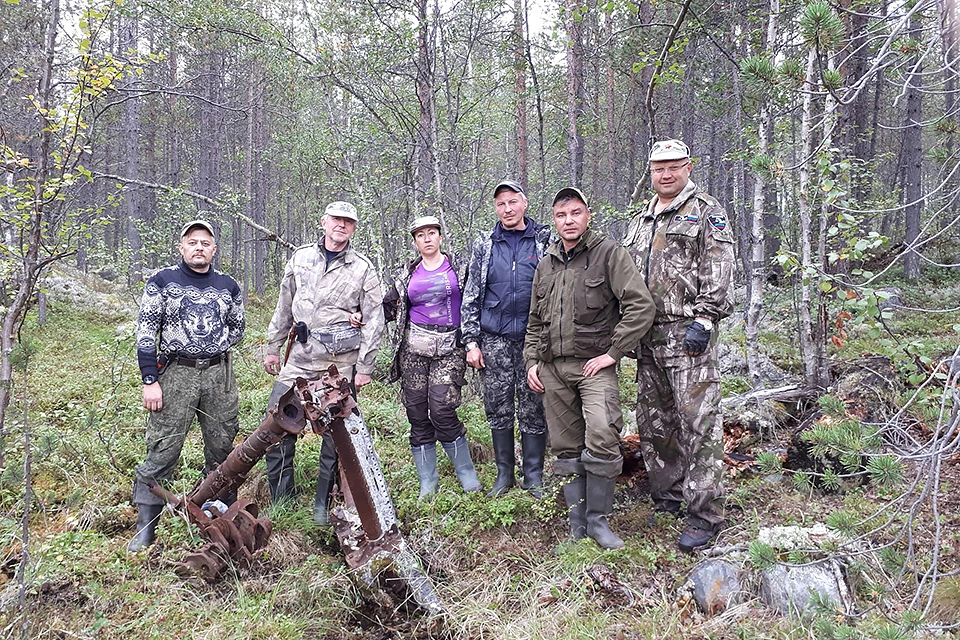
(718, 220)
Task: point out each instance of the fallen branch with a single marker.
(268, 234)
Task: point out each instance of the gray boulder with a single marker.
(716, 586)
(796, 591)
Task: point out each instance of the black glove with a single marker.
(697, 339)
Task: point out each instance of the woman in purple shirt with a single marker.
(429, 359)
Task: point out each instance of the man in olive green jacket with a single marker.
(589, 308)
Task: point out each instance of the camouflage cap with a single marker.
(424, 221)
(571, 192)
(669, 150)
(512, 185)
(193, 224)
(341, 209)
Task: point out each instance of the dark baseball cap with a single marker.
(513, 185)
(571, 192)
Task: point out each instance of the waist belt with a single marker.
(439, 328)
(200, 363)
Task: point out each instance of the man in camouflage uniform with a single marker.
(683, 246)
(496, 303)
(588, 309)
(325, 285)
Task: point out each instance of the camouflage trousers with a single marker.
(210, 395)
(430, 390)
(680, 425)
(582, 412)
(504, 379)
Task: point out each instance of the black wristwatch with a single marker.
(148, 379)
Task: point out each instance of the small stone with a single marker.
(716, 586)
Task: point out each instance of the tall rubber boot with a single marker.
(326, 476)
(601, 482)
(280, 468)
(506, 461)
(574, 492)
(459, 453)
(533, 448)
(147, 517)
(425, 459)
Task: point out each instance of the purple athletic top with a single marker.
(435, 296)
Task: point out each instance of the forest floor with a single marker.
(494, 563)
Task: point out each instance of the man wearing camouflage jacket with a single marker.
(496, 303)
(683, 246)
(325, 285)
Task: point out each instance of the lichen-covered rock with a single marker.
(716, 586)
(798, 591)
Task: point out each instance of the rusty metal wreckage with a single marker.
(365, 524)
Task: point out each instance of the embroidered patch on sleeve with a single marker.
(718, 220)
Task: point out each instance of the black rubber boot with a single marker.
(280, 468)
(147, 517)
(425, 459)
(533, 448)
(601, 483)
(506, 461)
(574, 493)
(326, 478)
(459, 453)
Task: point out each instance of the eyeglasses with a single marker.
(671, 169)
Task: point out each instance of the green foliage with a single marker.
(761, 555)
(886, 471)
(892, 559)
(843, 521)
(832, 406)
(821, 27)
(769, 462)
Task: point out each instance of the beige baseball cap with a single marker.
(193, 224)
(341, 209)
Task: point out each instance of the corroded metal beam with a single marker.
(365, 524)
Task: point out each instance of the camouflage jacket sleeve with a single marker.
(637, 309)
(371, 307)
(715, 296)
(473, 291)
(531, 342)
(283, 314)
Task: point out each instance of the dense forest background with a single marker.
(828, 130)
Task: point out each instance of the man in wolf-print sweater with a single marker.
(190, 316)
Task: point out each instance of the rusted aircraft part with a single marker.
(366, 525)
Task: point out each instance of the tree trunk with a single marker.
(611, 188)
(572, 22)
(129, 34)
(805, 205)
(520, 89)
(425, 143)
(913, 156)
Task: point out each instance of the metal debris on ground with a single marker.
(366, 524)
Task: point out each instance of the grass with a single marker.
(493, 561)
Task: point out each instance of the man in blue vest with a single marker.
(496, 303)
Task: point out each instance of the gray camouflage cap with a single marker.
(341, 209)
(669, 150)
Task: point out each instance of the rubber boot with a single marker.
(425, 459)
(459, 453)
(533, 448)
(147, 517)
(280, 468)
(574, 492)
(506, 461)
(325, 481)
(601, 482)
